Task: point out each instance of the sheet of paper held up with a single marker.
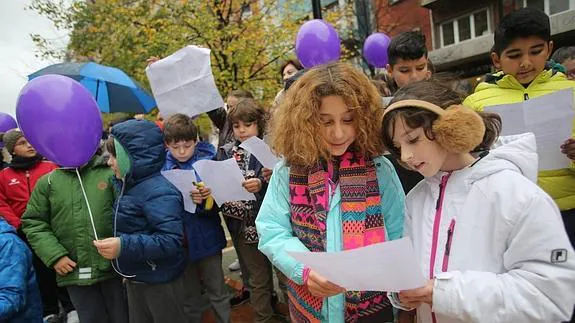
(549, 117)
(183, 180)
(389, 266)
(224, 178)
(261, 150)
(183, 82)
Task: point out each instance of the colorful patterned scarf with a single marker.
(362, 225)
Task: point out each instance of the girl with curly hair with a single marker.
(331, 192)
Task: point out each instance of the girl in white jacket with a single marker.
(490, 240)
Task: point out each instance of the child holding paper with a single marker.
(332, 192)
(147, 245)
(522, 47)
(248, 119)
(489, 239)
(205, 236)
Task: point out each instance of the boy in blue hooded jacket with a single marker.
(19, 294)
(204, 233)
(148, 230)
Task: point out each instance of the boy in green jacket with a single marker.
(521, 52)
(58, 226)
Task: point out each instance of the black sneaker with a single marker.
(240, 298)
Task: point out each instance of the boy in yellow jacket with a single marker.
(521, 52)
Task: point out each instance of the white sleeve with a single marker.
(538, 284)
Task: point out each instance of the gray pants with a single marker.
(156, 303)
(103, 302)
(207, 273)
(243, 266)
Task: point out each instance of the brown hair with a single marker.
(248, 110)
(110, 147)
(240, 93)
(180, 127)
(291, 61)
(441, 95)
(295, 127)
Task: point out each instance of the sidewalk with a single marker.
(243, 313)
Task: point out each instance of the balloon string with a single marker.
(118, 269)
(88, 204)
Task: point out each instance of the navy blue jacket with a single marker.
(19, 294)
(204, 233)
(150, 209)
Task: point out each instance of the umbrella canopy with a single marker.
(113, 89)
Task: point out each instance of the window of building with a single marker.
(464, 28)
(550, 7)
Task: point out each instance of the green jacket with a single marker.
(503, 89)
(57, 222)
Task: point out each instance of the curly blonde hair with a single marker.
(295, 126)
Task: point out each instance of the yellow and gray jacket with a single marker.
(500, 88)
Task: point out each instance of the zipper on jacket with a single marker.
(28, 183)
(448, 246)
(436, 225)
(152, 265)
(525, 96)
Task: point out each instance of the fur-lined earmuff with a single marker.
(458, 129)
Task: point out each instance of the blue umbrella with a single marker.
(113, 89)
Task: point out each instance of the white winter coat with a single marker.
(509, 259)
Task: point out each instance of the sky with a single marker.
(17, 51)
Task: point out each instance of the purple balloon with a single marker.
(60, 119)
(317, 43)
(7, 122)
(375, 49)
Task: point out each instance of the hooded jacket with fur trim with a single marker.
(493, 240)
(500, 88)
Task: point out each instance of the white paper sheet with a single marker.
(389, 266)
(549, 117)
(225, 179)
(183, 180)
(261, 151)
(183, 82)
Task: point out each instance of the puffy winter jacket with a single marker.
(502, 89)
(204, 233)
(149, 208)
(16, 186)
(493, 240)
(19, 294)
(57, 222)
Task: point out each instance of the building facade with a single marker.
(462, 31)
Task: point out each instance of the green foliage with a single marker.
(248, 39)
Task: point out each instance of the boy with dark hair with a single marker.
(408, 60)
(522, 47)
(408, 63)
(566, 57)
(205, 236)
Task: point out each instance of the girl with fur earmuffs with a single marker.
(491, 242)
